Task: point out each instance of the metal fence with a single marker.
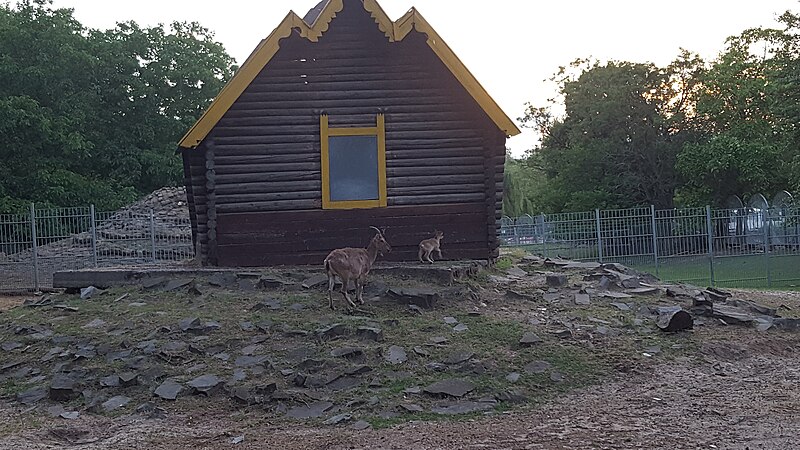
(35, 245)
(742, 247)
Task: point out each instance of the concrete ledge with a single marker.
(442, 273)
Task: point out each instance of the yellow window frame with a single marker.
(379, 130)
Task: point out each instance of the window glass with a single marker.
(353, 168)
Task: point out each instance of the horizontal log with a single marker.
(269, 187)
(357, 225)
(433, 199)
(267, 170)
(267, 197)
(330, 239)
(263, 157)
(277, 76)
(440, 102)
(287, 134)
(253, 256)
(238, 178)
(282, 205)
(311, 83)
(257, 220)
(441, 189)
(413, 181)
(338, 110)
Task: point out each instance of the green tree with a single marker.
(89, 116)
(748, 117)
(616, 144)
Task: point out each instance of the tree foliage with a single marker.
(91, 116)
(691, 133)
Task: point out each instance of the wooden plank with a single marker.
(327, 238)
(252, 256)
(258, 220)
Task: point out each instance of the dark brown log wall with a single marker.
(444, 154)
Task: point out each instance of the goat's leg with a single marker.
(428, 256)
(421, 252)
(360, 282)
(439, 253)
(331, 284)
(350, 304)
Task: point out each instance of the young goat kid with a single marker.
(428, 246)
(354, 264)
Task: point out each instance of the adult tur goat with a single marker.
(354, 264)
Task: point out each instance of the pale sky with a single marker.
(511, 46)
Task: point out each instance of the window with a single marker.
(353, 166)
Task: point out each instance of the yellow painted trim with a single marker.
(373, 131)
(325, 161)
(381, 160)
(394, 30)
(325, 131)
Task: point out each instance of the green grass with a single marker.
(779, 271)
(735, 272)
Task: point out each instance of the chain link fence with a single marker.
(741, 247)
(35, 245)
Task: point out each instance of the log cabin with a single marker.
(341, 120)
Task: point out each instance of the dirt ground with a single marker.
(737, 394)
(7, 302)
(716, 387)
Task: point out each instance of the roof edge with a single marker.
(394, 30)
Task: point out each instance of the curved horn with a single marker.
(378, 230)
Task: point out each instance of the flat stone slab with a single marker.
(551, 297)
(169, 390)
(339, 418)
(32, 396)
(396, 355)
(344, 383)
(453, 387)
(423, 298)
(644, 291)
(361, 425)
(173, 285)
(582, 299)
(556, 280)
(205, 383)
(516, 272)
(311, 411)
(314, 281)
(615, 295)
(538, 367)
(370, 333)
(251, 361)
(458, 357)
(412, 407)
(115, 402)
(63, 387)
(529, 339)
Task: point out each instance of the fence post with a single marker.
(710, 233)
(153, 235)
(544, 236)
(94, 235)
(599, 237)
(655, 236)
(765, 222)
(34, 249)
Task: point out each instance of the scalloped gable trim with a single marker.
(394, 30)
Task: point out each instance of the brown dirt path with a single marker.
(735, 394)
